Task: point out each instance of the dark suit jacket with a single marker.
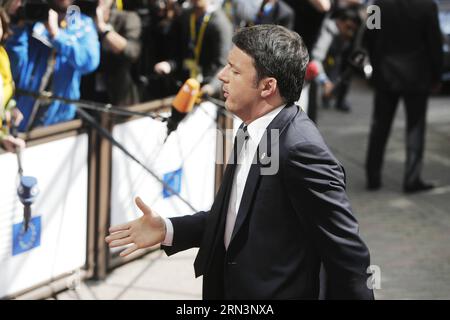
(116, 69)
(215, 48)
(406, 53)
(307, 21)
(287, 225)
(282, 14)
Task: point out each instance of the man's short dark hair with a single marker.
(277, 52)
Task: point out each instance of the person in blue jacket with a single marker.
(52, 56)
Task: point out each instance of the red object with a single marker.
(312, 71)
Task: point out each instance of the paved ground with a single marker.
(408, 236)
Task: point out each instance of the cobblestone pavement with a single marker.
(408, 235)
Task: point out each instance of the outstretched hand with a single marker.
(141, 233)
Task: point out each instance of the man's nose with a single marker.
(222, 74)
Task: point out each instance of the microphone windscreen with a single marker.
(185, 99)
(312, 71)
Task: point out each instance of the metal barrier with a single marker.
(55, 244)
(81, 176)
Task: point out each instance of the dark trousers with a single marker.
(385, 106)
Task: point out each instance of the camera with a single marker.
(37, 10)
(33, 10)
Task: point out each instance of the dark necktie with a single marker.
(239, 140)
(230, 211)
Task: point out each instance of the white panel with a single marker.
(191, 147)
(61, 170)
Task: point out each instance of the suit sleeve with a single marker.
(187, 232)
(132, 34)
(434, 40)
(316, 188)
(321, 48)
(220, 47)
(288, 19)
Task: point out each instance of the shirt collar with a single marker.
(258, 126)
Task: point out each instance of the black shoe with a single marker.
(344, 107)
(373, 184)
(325, 103)
(417, 186)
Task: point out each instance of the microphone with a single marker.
(182, 104)
(27, 192)
(312, 71)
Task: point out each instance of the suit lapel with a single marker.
(279, 123)
(216, 220)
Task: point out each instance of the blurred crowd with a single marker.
(126, 52)
(123, 52)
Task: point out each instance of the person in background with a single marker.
(156, 47)
(120, 38)
(275, 12)
(200, 40)
(9, 114)
(51, 55)
(331, 53)
(406, 56)
(309, 15)
(241, 12)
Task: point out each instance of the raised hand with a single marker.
(144, 232)
(52, 23)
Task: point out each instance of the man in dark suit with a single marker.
(273, 223)
(406, 54)
(309, 15)
(276, 12)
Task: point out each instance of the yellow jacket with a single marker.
(5, 73)
(7, 88)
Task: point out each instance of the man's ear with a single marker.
(269, 87)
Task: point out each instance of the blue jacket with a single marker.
(77, 52)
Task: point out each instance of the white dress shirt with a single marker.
(255, 131)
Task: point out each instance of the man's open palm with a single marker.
(144, 232)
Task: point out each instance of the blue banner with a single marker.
(25, 241)
(173, 180)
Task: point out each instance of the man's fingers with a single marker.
(129, 250)
(120, 242)
(117, 235)
(120, 227)
(142, 206)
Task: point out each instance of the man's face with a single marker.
(239, 84)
